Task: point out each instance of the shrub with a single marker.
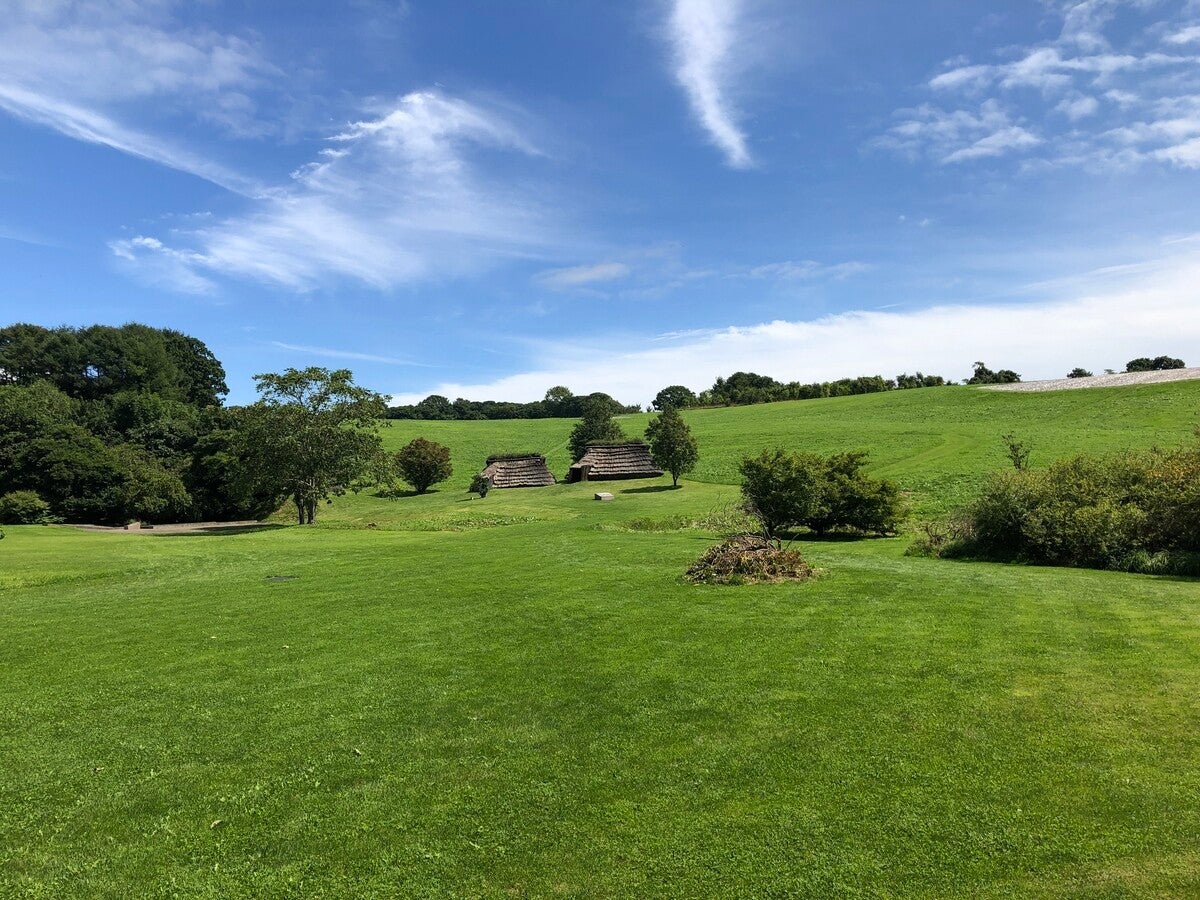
(24, 508)
(1079, 372)
(784, 491)
(748, 559)
(423, 464)
(1130, 511)
(480, 485)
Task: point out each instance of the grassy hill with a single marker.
(520, 697)
(937, 443)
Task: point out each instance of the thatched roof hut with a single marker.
(609, 462)
(518, 471)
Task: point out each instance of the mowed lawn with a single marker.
(518, 696)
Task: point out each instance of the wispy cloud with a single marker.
(1074, 100)
(581, 276)
(808, 270)
(331, 353)
(1098, 321)
(392, 199)
(88, 70)
(704, 35)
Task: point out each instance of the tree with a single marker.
(781, 490)
(597, 426)
(435, 407)
(423, 464)
(311, 435)
(784, 491)
(984, 375)
(1079, 372)
(1158, 364)
(674, 397)
(672, 444)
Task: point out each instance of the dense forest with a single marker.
(109, 424)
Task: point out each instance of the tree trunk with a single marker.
(312, 511)
(299, 508)
(674, 479)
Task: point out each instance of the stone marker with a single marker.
(603, 495)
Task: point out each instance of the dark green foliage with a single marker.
(1128, 511)
(983, 375)
(791, 490)
(1079, 372)
(559, 402)
(311, 436)
(423, 464)
(674, 397)
(101, 360)
(904, 381)
(671, 443)
(24, 508)
(480, 485)
(1158, 364)
(743, 388)
(596, 427)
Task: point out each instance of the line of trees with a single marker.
(746, 388)
(558, 403)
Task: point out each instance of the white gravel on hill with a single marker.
(1097, 381)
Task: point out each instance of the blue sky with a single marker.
(486, 199)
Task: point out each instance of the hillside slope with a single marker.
(937, 443)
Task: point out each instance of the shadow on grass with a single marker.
(837, 537)
(215, 530)
(652, 489)
(398, 495)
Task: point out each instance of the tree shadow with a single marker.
(215, 530)
(389, 494)
(651, 489)
(833, 537)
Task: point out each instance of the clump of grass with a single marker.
(722, 520)
(749, 559)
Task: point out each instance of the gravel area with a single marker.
(1097, 381)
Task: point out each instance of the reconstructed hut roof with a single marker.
(609, 462)
(518, 471)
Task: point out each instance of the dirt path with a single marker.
(1097, 381)
(180, 528)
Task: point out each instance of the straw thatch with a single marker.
(610, 462)
(518, 471)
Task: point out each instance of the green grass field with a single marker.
(518, 696)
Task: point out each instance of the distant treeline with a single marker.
(559, 403)
(743, 388)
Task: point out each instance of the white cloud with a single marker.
(91, 69)
(332, 353)
(581, 276)
(704, 34)
(953, 136)
(1023, 100)
(1098, 325)
(396, 200)
(1189, 35)
(1078, 106)
(808, 270)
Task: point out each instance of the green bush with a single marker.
(480, 485)
(1137, 512)
(24, 508)
(791, 490)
